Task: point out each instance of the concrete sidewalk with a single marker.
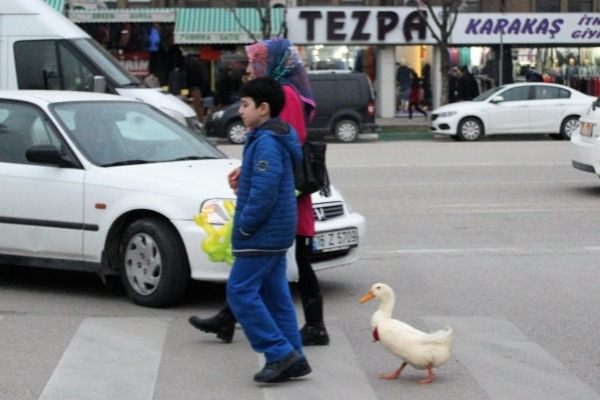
(402, 120)
(401, 128)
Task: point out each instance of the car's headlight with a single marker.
(217, 115)
(446, 114)
(216, 210)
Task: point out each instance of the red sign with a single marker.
(136, 62)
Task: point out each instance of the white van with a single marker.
(42, 49)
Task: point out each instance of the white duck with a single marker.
(419, 349)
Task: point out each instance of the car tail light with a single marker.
(371, 108)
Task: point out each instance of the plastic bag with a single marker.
(217, 244)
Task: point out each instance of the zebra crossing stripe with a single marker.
(110, 358)
(336, 374)
(507, 365)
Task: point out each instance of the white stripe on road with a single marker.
(448, 165)
(110, 358)
(374, 253)
(336, 374)
(507, 365)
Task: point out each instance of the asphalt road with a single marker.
(497, 238)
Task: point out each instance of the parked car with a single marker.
(100, 183)
(518, 108)
(585, 145)
(345, 108)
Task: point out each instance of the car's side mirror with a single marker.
(497, 99)
(99, 84)
(45, 154)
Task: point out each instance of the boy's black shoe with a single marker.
(314, 335)
(299, 368)
(222, 324)
(291, 366)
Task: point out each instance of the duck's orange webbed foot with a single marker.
(393, 375)
(430, 376)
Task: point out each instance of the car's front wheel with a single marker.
(568, 126)
(154, 267)
(236, 132)
(346, 130)
(469, 129)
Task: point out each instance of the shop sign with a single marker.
(205, 37)
(361, 25)
(122, 15)
(136, 62)
(403, 25)
(526, 28)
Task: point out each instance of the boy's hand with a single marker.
(234, 179)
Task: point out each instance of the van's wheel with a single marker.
(568, 126)
(469, 129)
(153, 263)
(236, 132)
(346, 130)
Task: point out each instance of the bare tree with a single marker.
(264, 12)
(444, 21)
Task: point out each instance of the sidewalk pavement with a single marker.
(401, 128)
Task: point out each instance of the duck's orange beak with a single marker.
(367, 296)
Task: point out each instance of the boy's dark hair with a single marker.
(265, 90)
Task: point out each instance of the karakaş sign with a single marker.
(402, 25)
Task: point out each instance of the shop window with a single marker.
(580, 5)
(547, 5)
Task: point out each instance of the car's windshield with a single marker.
(122, 133)
(106, 63)
(489, 93)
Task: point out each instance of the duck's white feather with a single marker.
(419, 349)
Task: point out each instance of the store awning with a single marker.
(122, 15)
(219, 25)
(58, 5)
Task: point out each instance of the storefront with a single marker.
(58, 5)
(553, 47)
(217, 36)
(557, 45)
(135, 37)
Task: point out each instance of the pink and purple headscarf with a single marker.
(279, 59)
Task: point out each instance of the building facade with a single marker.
(488, 34)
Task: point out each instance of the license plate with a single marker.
(335, 240)
(586, 129)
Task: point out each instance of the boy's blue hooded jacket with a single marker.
(266, 206)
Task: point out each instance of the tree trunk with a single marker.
(444, 69)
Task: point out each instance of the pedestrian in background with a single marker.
(468, 88)
(453, 77)
(277, 58)
(403, 83)
(416, 96)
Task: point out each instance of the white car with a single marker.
(585, 141)
(518, 108)
(100, 183)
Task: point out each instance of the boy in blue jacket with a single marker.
(264, 229)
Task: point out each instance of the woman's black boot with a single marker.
(222, 324)
(313, 332)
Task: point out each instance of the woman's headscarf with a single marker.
(279, 59)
